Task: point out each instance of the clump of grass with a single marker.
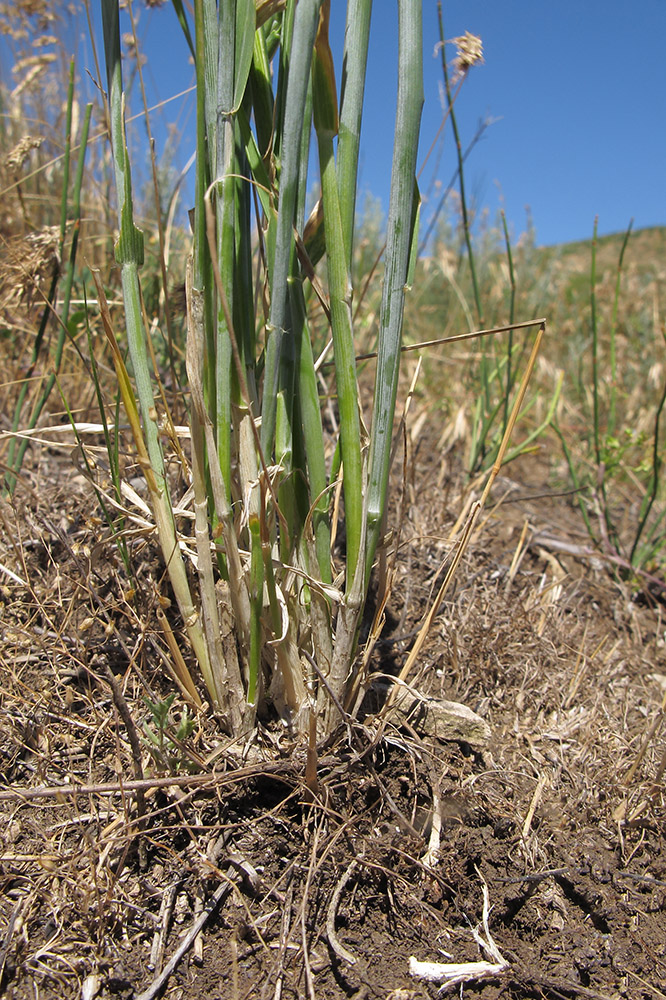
(271, 518)
(262, 473)
(271, 489)
(621, 450)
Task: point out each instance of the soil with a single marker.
(559, 817)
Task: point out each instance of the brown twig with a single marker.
(222, 890)
(135, 746)
(472, 335)
(278, 768)
(160, 936)
(197, 948)
(586, 552)
(284, 937)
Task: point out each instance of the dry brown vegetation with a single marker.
(560, 812)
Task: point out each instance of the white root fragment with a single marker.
(455, 973)
(91, 986)
(197, 947)
(431, 856)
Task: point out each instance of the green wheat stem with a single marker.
(280, 266)
(400, 243)
(168, 312)
(352, 88)
(573, 472)
(205, 33)
(595, 346)
(339, 287)
(129, 255)
(596, 385)
(313, 435)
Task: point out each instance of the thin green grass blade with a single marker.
(262, 96)
(538, 431)
(182, 19)
(305, 27)
(129, 247)
(601, 483)
(352, 90)
(257, 167)
(398, 248)
(595, 346)
(234, 61)
(578, 487)
(203, 280)
(612, 418)
(512, 306)
(244, 31)
(339, 289)
(68, 153)
(71, 262)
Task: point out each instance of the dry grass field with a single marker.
(145, 851)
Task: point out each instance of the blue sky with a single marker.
(575, 90)
(579, 91)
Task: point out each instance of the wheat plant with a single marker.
(265, 477)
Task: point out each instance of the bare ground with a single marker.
(560, 814)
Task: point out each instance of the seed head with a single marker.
(17, 156)
(469, 53)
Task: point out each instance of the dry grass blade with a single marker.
(456, 338)
(474, 514)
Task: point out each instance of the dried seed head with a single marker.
(33, 8)
(469, 53)
(29, 261)
(17, 156)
